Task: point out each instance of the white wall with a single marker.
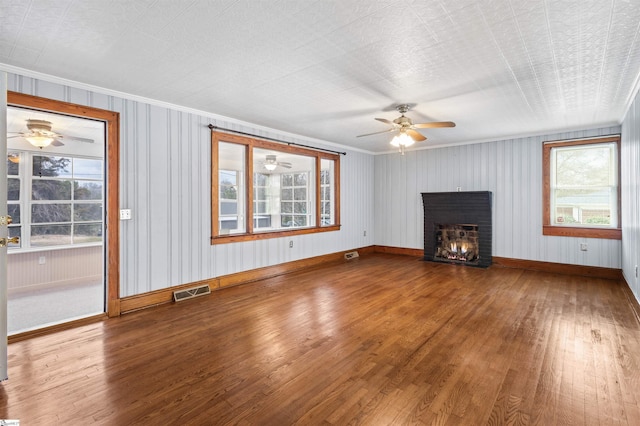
(630, 196)
(511, 170)
(165, 181)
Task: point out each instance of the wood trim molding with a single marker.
(559, 268)
(575, 231)
(55, 328)
(112, 156)
(157, 297)
(399, 250)
(633, 302)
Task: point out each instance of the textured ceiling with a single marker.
(325, 69)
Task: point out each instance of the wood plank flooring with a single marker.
(379, 340)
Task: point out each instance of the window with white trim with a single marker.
(55, 201)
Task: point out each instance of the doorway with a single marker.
(63, 198)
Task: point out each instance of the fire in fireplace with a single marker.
(457, 243)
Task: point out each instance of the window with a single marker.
(54, 200)
(280, 188)
(581, 188)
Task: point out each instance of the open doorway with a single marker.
(56, 194)
(64, 200)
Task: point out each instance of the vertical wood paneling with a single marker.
(630, 196)
(165, 181)
(512, 170)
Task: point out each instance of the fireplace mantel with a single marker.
(463, 207)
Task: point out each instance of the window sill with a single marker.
(235, 238)
(574, 231)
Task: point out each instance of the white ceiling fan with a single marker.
(270, 163)
(40, 135)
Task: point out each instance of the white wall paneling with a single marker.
(511, 169)
(630, 196)
(165, 181)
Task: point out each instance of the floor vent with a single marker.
(351, 255)
(190, 293)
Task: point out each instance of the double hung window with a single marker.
(581, 188)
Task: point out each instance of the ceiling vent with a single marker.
(190, 293)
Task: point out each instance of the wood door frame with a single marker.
(112, 222)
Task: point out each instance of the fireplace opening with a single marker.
(458, 243)
(458, 227)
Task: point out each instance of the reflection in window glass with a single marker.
(44, 213)
(231, 208)
(47, 189)
(87, 190)
(50, 235)
(327, 216)
(87, 212)
(51, 166)
(13, 189)
(85, 168)
(87, 233)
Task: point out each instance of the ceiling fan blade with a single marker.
(377, 133)
(434, 124)
(416, 136)
(57, 142)
(284, 164)
(79, 139)
(384, 120)
(16, 136)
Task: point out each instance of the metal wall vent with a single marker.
(190, 293)
(351, 255)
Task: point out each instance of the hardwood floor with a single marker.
(379, 340)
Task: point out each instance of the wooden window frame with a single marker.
(250, 143)
(575, 231)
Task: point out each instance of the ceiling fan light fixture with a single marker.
(402, 139)
(39, 141)
(270, 166)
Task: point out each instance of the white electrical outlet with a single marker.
(125, 214)
(583, 246)
(364, 234)
(42, 260)
(290, 244)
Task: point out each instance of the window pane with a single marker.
(287, 194)
(259, 179)
(87, 212)
(300, 193)
(51, 166)
(13, 189)
(15, 231)
(300, 179)
(14, 211)
(45, 189)
(326, 192)
(13, 163)
(232, 188)
(87, 190)
(84, 168)
(581, 206)
(300, 207)
(584, 166)
(44, 213)
(87, 233)
(287, 180)
(286, 207)
(50, 235)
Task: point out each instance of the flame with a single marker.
(463, 248)
(454, 247)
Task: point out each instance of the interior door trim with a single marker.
(112, 223)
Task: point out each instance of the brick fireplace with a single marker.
(458, 227)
